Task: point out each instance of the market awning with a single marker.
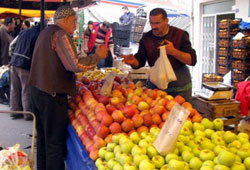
(26, 12)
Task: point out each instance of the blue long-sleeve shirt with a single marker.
(127, 19)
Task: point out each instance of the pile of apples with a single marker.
(199, 146)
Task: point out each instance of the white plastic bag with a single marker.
(165, 140)
(162, 72)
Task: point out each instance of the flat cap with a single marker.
(64, 11)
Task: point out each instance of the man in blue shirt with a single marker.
(127, 18)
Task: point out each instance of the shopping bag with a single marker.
(162, 72)
(108, 84)
(164, 142)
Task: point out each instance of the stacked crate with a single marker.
(227, 29)
(240, 60)
(137, 28)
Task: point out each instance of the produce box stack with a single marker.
(227, 29)
(240, 60)
(118, 131)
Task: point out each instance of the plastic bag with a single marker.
(165, 140)
(162, 72)
(108, 84)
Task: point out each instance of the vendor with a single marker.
(178, 48)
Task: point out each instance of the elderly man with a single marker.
(52, 78)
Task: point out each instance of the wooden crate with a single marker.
(227, 110)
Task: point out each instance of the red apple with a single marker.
(136, 99)
(103, 99)
(100, 115)
(138, 120)
(179, 99)
(127, 125)
(165, 115)
(156, 118)
(147, 120)
(118, 116)
(99, 142)
(114, 100)
(102, 131)
(129, 110)
(170, 104)
(106, 120)
(84, 80)
(115, 128)
(110, 108)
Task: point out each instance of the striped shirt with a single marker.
(65, 49)
(100, 37)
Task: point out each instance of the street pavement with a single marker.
(13, 132)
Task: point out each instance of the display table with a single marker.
(78, 157)
(228, 110)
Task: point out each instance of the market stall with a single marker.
(133, 127)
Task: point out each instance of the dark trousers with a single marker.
(52, 119)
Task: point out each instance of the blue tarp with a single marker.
(244, 25)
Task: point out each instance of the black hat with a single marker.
(107, 24)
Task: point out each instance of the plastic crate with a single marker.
(78, 157)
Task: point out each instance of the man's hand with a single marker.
(170, 48)
(130, 60)
(102, 51)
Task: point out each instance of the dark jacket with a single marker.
(47, 72)
(22, 54)
(5, 40)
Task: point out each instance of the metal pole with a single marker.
(42, 4)
(20, 8)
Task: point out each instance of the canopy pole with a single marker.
(42, 6)
(20, 8)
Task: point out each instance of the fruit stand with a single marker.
(118, 131)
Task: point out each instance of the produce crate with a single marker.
(137, 74)
(78, 157)
(227, 110)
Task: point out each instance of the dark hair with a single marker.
(90, 22)
(106, 24)
(8, 20)
(27, 23)
(125, 7)
(158, 11)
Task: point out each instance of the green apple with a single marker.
(175, 150)
(138, 158)
(129, 166)
(198, 126)
(237, 158)
(233, 150)
(207, 123)
(164, 167)
(126, 147)
(158, 161)
(243, 153)
(116, 137)
(118, 156)
(146, 164)
(109, 155)
(218, 141)
(102, 152)
(154, 131)
(247, 163)
(195, 163)
(206, 154)
(171, 156)
(229, 137)
(221, 167)
(99, 161)
(206, 168)
(216, 160)
(192, 144)
(151, 151)
(188, 124)
(186, 166)
(238, 166)
(130, 96)
(218, 124)
(111, 163)
(199, 139)
(135, 137)
(243, 140)
(144, 143)
(111, 146)
(185, 131)
(183, 148)
(236, 144)
(243, 135)
(102, 166)
(125, 158)
(207, 145)
(143, 106)
(199, 133)
(209, 133)
(187, 155)
(117, 167)
(246, 145)
(179, 143)
(226, 158)
(124, 139)
(144, 134)
(138, 150)
(197, 151)
(117, 149)
(219, 148)
(208, 163)
(176, 165)
(150, 138)
(183, 138)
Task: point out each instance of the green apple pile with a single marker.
(204, 146)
